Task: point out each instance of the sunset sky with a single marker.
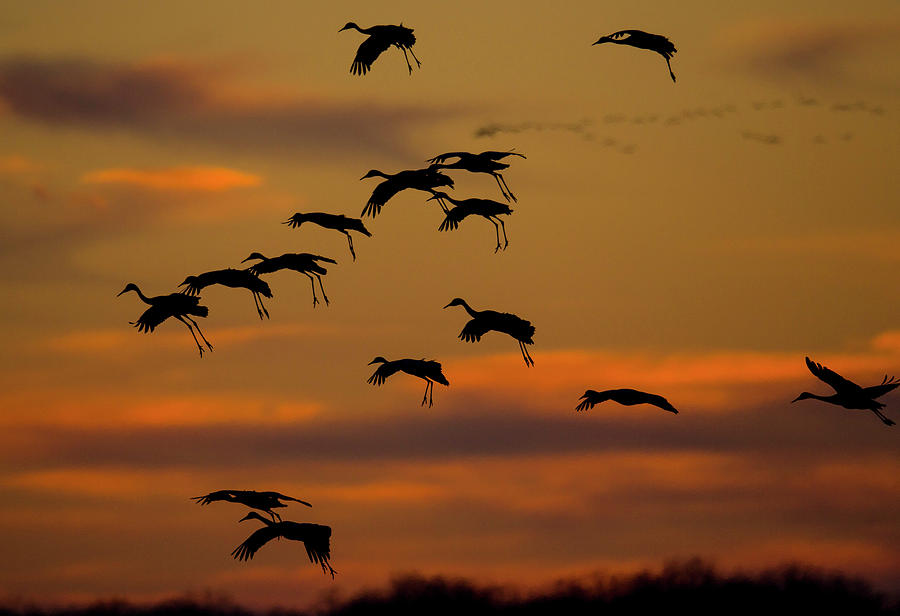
(695, 240)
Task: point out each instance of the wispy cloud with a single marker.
(204, 179)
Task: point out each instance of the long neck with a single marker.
(143, 297)
(472, 313)
(451, 199)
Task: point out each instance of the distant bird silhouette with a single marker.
(302, 262)
(485, 162)
(381, 38)
(264, 501)
(425, 369)
(419, 179)
(338, 222)
(234, 278)
(850, 395)
(162, 307)
(316, 539)
(491, 210)
(484, 321)
(628, 397)
(643, 40)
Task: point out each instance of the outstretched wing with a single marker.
(381, 195)
(152, 316)
(368, 52)
(494, 155)
(259, 538)
(590, 398)
(837, 382)
(474, 330)
(281, 496)
(876, 391)
(440, 158)
(320, 258)
(383, 372)
(218, 495)
(316, 538)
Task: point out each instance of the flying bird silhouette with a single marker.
(234, 278)
(490, 210)
(302, 262)
(419, 179)
(627, 397)
(429, 371)
(162, 307)
(264, 501)
(338, 222)
(484, 162)
(380, 39)
(848, 394)
(315, 537)
(643, 40)
(484, 321)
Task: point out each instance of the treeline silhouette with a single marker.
(691, 587)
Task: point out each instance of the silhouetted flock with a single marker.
(186, 304)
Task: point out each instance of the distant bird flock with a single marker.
(185, 305)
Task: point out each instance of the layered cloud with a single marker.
(203, 179)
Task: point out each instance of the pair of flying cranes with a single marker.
(316, 537)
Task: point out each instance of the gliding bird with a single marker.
(429, 371)
(848, 394)
(236, 279)
(264, 501)
(643, 40)
(162, 307)
(485, 162)
(302, 262)
(338, 222)
(425, 180)
(484, 321)
(627, 397)
(490, 210)
(381, 38)
(315, 537)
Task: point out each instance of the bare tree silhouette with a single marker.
(429, 371)
(264, 501)
(848, 394)
(484, 162)
(234, 278)
(643, 40)
(484, 321)
(419, 179)
(162, 307)
(490, 210)
(627, 397)
(380, 39)
(338, 222)
(315, 537)
(302, 262)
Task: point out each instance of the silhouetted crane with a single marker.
(338, 222)
(485, 162)
(491, 210)
(484, 321)
(162, 307)
(627, 397)
(302, 262)
(264, 501)
(234, 278)
(848, 394)
(425, 369)
(316, 539)
(380, 39)
(420, 179)
(643, 40)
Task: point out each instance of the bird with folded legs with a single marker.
(303, 262)
(337, 222)
(848, 394)
(427, 370)
(379, 40)
(643, 40)
(316, 539)
(627, 397)
(418, 179)
(234, 278)
(175, 305)
(484, 162)
(486, 208)
(264, 501)
(484, 321)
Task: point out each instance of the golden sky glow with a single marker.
(695, 239)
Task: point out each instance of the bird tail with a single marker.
(263, 288)
(199, 311)
(359, 226)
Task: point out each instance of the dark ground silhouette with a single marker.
(691, 587)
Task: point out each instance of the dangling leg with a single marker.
(260, 307)
(525, 354)
(321, 287)
(430, 394)
(886, 421)
(502, 189)
(350, 241)
(191, 329)
(200, 331)
(670, 69)
(408, 65)
(425, 396)
(497, 230)
(312, 283)
(419, 64)
(502, 226)
(508, 191)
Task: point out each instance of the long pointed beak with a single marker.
(370, 363)
(245, 260)
(447, 306)
(246, 517)
(795, 399)
(120, 292)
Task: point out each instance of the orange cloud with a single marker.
(203, 179)
(17, 165)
